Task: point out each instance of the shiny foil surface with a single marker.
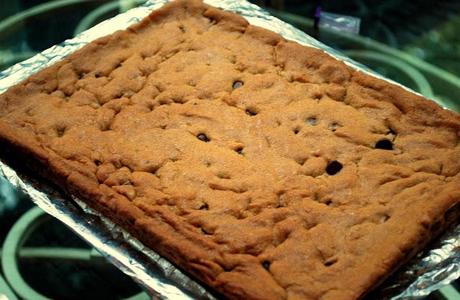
(433, 268)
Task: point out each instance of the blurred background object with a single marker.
(416, 43)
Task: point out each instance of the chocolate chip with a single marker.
(334, 167)
(384, 218)
(328, 202)
(296, 130)
(150, 106)
(334, 125)
(203, 137)
(60, 130)
(330, 261)
(204, 231)
(318, 96)
(312, 121)
(237, 84)
(384, 144)
(239, 150)
(204, 206)
(391, 132)
(251, 112)
(301, 160)
(266, 265)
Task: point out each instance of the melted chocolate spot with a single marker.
(239, 150)
(312, 121)
(334, 167)
(237, 84)
(204, 206)
(251, 112)
(203, 137)
(384, 144)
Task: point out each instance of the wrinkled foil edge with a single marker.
(426, 273)
(160, 278)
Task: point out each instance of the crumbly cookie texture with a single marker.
(263, 168)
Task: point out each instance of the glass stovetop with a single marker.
(413, 42)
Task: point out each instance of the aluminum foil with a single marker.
(429, 271)
(157, 275)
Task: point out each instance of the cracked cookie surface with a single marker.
(264, 168)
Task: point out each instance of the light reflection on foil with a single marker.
(160, 277)
(424, 274)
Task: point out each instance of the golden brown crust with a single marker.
(212, 141)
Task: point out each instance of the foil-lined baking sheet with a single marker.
(435, 267)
